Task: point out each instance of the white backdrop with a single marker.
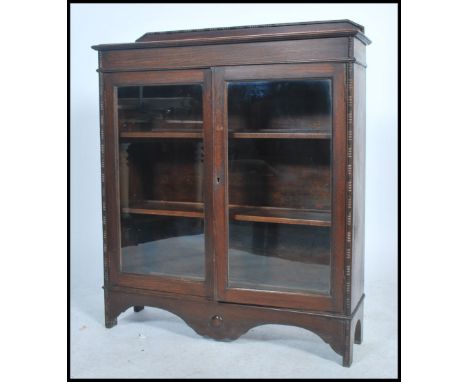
(434, 184)
(95, 24)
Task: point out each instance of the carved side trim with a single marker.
(349, 178)
(103, 188)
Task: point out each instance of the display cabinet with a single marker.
(233, 178)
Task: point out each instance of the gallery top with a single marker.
(250, 33)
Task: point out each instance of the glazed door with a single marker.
(160, 124)
(279, 159)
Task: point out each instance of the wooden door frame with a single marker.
(318, 302)
(111, 190)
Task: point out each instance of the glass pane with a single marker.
(161, 181)
(288, 173)
(293, 105)
(154, 108)
(163, 245)
(279, 154)
(279, 257)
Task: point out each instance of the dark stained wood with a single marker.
(335, 301)
(227, 34)
(353, 332)
(228, 322)
(111, 232)
(319, 212)
(250, 33)
(287, 134)
(106, 183)
(233, 54)
(209, 179)
(112, 200)
(359, 172)
(339, 192)
(358, 51)
(280, 71)
(280, 173)
(160, 134)
(181, 286)
(174, 167)
(169, 77)
(220, 168)
(154, 207)
(281, 215)
(240, 213)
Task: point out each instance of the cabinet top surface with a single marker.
(248, 33)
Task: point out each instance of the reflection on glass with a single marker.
(292, 105)
(154, 108)
(161, 181)
(279, 257)
(163, 245)
(279, 162)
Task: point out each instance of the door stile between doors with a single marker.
(220, 217)
(208, 184)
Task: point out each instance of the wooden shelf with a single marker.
(280, 215)
(281, 133)
(156, 103)
(138, 99)
(238, 213)
(164, 208)
(161, 134)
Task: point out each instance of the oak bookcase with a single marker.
(233, 177)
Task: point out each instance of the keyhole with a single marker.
(217, 180)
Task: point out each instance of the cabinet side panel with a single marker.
(359, 51)
(359, 153)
